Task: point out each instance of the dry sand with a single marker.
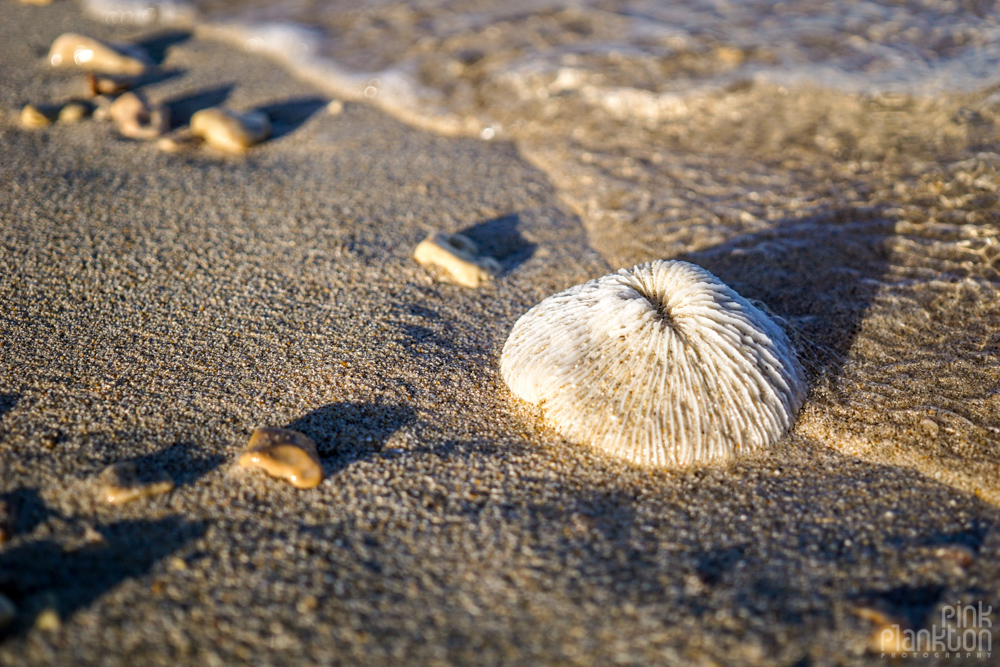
(157, 308)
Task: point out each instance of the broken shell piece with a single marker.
(178, 141)
(137, 119)
(72, 49)
(107, 85)
(231, 131)
(458, 256)
(120, 484)
(74, 112)
(285, 454)
(38, 115)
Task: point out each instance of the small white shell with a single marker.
(73, 50)
(663, 365)
(230, 131)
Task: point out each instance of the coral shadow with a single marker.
(500, 238)
(182, 108)
(42, 573)
(349, 432)
(290, 115)
(820, 273)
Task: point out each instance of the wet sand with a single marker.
(159, 307)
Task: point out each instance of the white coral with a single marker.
(663, 365)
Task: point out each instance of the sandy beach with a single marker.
(156, 308)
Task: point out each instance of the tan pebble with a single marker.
(137, 119)
(106, 85)
(307, 604)
(74, 50)
(177, 141)
(74, 112)
(888, 634)
(956, 554)
(91, 536)
(8, 612)
(89, 539)
(230, 131)
(458, 256)
(120, 484)
(178, 564)
(48, 620)
(929, 426)
(102, 107)
(285, 454)
(335, 107)
(38, 115)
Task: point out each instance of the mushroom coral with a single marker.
(663, 365)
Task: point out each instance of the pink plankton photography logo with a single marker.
(964, 632)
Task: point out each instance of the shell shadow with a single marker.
(290, 115)
(157, 44)
(349, 432)
(500, 238)
(182, 108)
(42, 573)
(185, 463)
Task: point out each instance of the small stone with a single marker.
(38, 115)
(307, 604)
(48, 620)
(72, 49)
(458, 256)
(178, 564)
(285, 454)
(887, 637)
(102, 107)
(8, 612)
(120, 484)
(89, 539)
(107, 85)
(956, 554)
(74, 112)
(137, 119)
(929, 426)
(230, 131)
(91, 536)
(49, 439)
(335, 107)
(179, 140)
